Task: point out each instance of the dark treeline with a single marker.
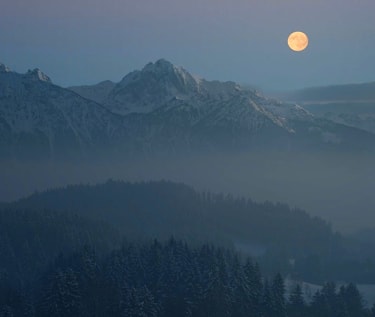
(162, 209)
(168, 279)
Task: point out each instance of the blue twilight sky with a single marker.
(86, 41)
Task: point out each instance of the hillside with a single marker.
(273, 232)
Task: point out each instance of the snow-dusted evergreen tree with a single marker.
(253, 282)
(353, 300)
(216, 300)
(173, 279)
(139, 302)
(12, 301)
(296, 303)
(278, 296)
(341, 309)
(267, 306)
(61, 297)
(239, 288)
(328, 303)
(330, 299)
(168, 280)
(153, 268)
(96, 290)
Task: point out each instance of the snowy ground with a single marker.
(367, 290)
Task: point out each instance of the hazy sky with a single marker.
(86, 41)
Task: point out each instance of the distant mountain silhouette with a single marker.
(352, 105)
(348, 92)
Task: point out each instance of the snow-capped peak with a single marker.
(4, 69)
(38, 75)
(160, 65)
(153, 86)
(163, 67)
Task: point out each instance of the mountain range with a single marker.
(351, 104)
(161, 108)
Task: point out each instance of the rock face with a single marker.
(4, 69)
(160, 108)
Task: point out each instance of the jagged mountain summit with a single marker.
(161, 83)
(146, 90)
(159, 108)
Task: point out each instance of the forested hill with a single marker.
(162, 209)
(283, 239)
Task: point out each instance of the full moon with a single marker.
(298, 41)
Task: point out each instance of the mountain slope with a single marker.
(37, 116)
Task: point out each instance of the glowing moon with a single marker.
(298, 41)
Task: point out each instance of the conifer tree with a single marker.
(278, 296)
(253, 282)
(353, 300)
(61, 297)
(267, 304)
(296, 304)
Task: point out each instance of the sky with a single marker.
(86, 41)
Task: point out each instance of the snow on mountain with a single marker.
(37, 74)
(284, 110)
(4, 69)
(162, 85)
(145, 90)
(159, 108)
(37, 115)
